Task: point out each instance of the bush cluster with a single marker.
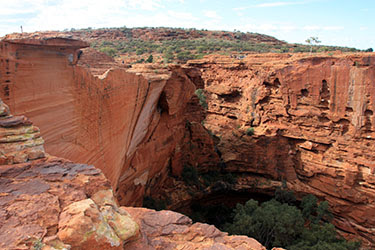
(202, 98)
(279, 223)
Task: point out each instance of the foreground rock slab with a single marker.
(171, 230)
(51, 202)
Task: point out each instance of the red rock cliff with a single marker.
(127, 123)
(312, 117)
(52, 203)
(314, 125)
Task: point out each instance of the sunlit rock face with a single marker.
(312, 118)
(48, 202)
(51, 203)
(128, 123)
(313, 122)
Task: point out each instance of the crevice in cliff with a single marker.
(325, 94)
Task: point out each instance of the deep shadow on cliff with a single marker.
(312, 118)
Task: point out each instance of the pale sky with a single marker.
(336, 22)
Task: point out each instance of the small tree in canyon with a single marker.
(280, 223)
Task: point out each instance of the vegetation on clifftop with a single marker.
(179, 45)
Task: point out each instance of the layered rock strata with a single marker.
(128, 123)
(312, 119)
(313, 126)
(52, 203)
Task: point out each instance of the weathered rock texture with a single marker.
(314, 128)
(171, 230)
(52, 203)
(312, 117)
(127, 123)
(20, 140)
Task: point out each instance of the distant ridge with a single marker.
(136, 45)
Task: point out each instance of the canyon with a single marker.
(304, 121)
(49, 202)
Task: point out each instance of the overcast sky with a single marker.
(336, 22)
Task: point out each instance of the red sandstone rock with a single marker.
(313, 120)
(314, 127)
(111, 121)
(52, 203)
(45, 198)
(19, 140)
(171, 230)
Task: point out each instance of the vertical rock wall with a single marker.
(313, 119)
(113, 121)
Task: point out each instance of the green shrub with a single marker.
(38, 244)
(284, 196)
(109, 51)
(150, 59)
(168, 56)
(249, 131)
(140, 51)
(202, 98)
(279, 224)
(211, 177)
(272, 223)
(230, 178)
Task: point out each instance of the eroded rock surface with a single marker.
(171, 230)
(50, 202)
(312, 118)
(20, 140)
(128, 123)
(114, 120)
(313, 123)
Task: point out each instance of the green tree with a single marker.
(168, 55)
(202, 98)
(272, 223)
(309, 206)
(109, 51)
(150, 59)
(277, 224)
(324, 236)
(312, 40)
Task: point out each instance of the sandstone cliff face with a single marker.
(314, 128)
(127, 123)
(52, 203)
(312, 117)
